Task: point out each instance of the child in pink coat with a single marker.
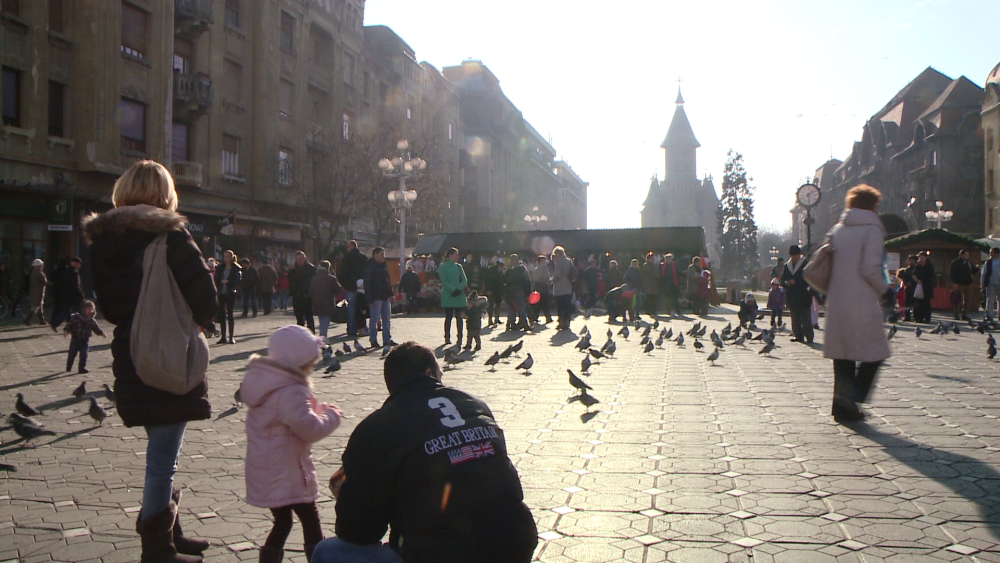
(284, 420)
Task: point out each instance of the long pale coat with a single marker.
(854, 328)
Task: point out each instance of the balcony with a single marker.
(192, 18)
(186, 173)
(192, 95)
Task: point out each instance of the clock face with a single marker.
(808, 195)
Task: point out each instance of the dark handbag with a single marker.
(819, 268)
(456, 292)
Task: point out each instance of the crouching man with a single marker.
(430, 466)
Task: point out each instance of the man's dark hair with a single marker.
(352, 243)
(378, 250)
(780, 259)
(794, 250)
(409, 357)
(963, 251)
(76, 260)
(450, 251)
(995, 250)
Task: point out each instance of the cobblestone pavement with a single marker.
(681, 461)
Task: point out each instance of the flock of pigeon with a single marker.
(982, 327)
(29, 428)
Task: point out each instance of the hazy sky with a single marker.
(786, 83)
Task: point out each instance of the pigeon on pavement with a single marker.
(96, 412)
(585, 364)
(517, 347)
(698, 345)
(29, 431)
(584, 330)
(597, 354)
(526, 364)
(669, 334)
(740, 341)
(81, 390)
(713, 356)
(24, 408)
(507, 352)
(358, 347)
(892, 332)
(918, 332)
(578, 383)
(493, 360)
(767, 348)
(680, 340)
(649, 347)
(589, 400)
(624, 332)
(992, 352)
(238, 397)
(611, 349)
(109, 394)
(347, 349)
(335, 365)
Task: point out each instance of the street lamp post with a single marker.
(402, 167)
(534, 218)
(939, 215)
(774, 252)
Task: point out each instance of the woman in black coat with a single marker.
(228, 276)
(924, 274)
(145, 207)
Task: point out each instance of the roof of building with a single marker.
(961, 93)
(680, 133)
(940, 236)
(994, 75)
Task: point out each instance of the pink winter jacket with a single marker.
(283, 422)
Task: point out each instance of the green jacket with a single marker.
(452, 277)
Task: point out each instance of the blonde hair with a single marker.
(146, 182)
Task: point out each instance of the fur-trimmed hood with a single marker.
(132, 217)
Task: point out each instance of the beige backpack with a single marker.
(168, 348)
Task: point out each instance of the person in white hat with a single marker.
(37, 282)
(285, 418)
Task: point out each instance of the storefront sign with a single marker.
(60, 227)
(61, 213)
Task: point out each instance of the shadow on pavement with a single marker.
(563, 337)
(987, 478)
(29, 337)
(38, 381)
(239, 356)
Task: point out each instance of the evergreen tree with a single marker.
(736, 226)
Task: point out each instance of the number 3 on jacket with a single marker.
(451, 417)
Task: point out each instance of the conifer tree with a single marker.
(736, 226)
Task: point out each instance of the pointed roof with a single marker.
(680, 133)
(680, 99)
(655, 195)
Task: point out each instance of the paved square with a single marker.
(681, 460)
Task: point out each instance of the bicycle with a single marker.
(17, 307)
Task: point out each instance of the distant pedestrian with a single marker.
(563, 276)
(798, 296)
(909, 283)
(352, 270)
(298, 284)
(37, 282)
(474, 320)
(619, 301)
(79, 327)
(268, 282)
(633, 277)
(615, 276)
(776, 302)
(855, 334)
(409, 285)
(923, 293)
(378, 292)
(778, 268)
(670, 280)
(541, 281)
(324, 292)
(493, 284)
(693, 277)
(249, 286)
(227, 278)
(284, 420)
(650, 285)
(748, 310)
(453, 299)
(283, 288)
(963, 273)
(516, 287)
(591, 278)
(990, 282)
(69, 294)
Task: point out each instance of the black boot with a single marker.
(189, 546)
(309, 548)
(222, 332)
(270, 554)
(231, 332)
(157, 534)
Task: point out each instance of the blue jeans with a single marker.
(336, 550)
(81, 346)
(283, 298)
(516, 309)
(324, 325)
(162, 452)
(352, 312)
(379, 310)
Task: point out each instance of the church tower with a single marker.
(679, 146)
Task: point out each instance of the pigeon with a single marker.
(649, 347)
(29, 431)
(526, 364)
(669, 334)
(358, 347)
(584, 343)
(955, 329)
(597, 354)
(717, 340)
(109, 394)
(892, 332)
(767, 348)
(507, 352)
(981, 328)
(585, 364)
(96, 412)
(15, 418)
(334, 366)
(713, 356)
(578, 383)
(81, 390)
(739, 341)
(680, 340)
(607, 345)
(24, 408)
(611, 349)
(659, 341)
(238, 396)
(451, 359)
(347, 349)
(493, 360)
(584, 330)
(624, 332)
(728, 328)
(992, 353)
(736, 332)
(644, 341)
(338, 353)
(694, 329)
(918, 332)
(698, 345)
(990, 340)
(517, 347)
(656, 324)
(759, 336)
(610, 334)
(589, 400)
(645, 333)
(702, 332)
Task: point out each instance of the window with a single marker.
(989, 182)
(135, 24)
(11, 96)
(12, 7)
(231, 80)
(285, 167)
(181, 63)
(287, 32)
(348, 69)
(57, 109)
(322, 47)
(179, 148)
(233, 13)
(132, 117)
(56, 16)
(230, 155)
(989, 139)
(286, 93)
(347, 125)
(451, 133)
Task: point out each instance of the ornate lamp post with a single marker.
(774, 252)
(535, 219)
(402, 167)
(808, 196)
(939, 215)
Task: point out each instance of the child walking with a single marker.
(776, 301)
(283, 421)
(474, 319)
(80, 326)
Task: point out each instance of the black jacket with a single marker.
(410, 283)
(962, 272)
(515, 280)
(426, 443)
(70, 289)
(927, 278)
(797, 294)
(235, 277)
(378, 287)
(352, 269)
(299, 278)
(250, 281)
(493, 280)
(118, 240)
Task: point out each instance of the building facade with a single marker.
(925, 145)
(991, 151)
(681, 199)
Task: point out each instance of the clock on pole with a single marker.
(808, 196)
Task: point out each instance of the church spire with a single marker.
(680, 99)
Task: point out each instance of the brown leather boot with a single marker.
(189, 546)
(157, 534)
